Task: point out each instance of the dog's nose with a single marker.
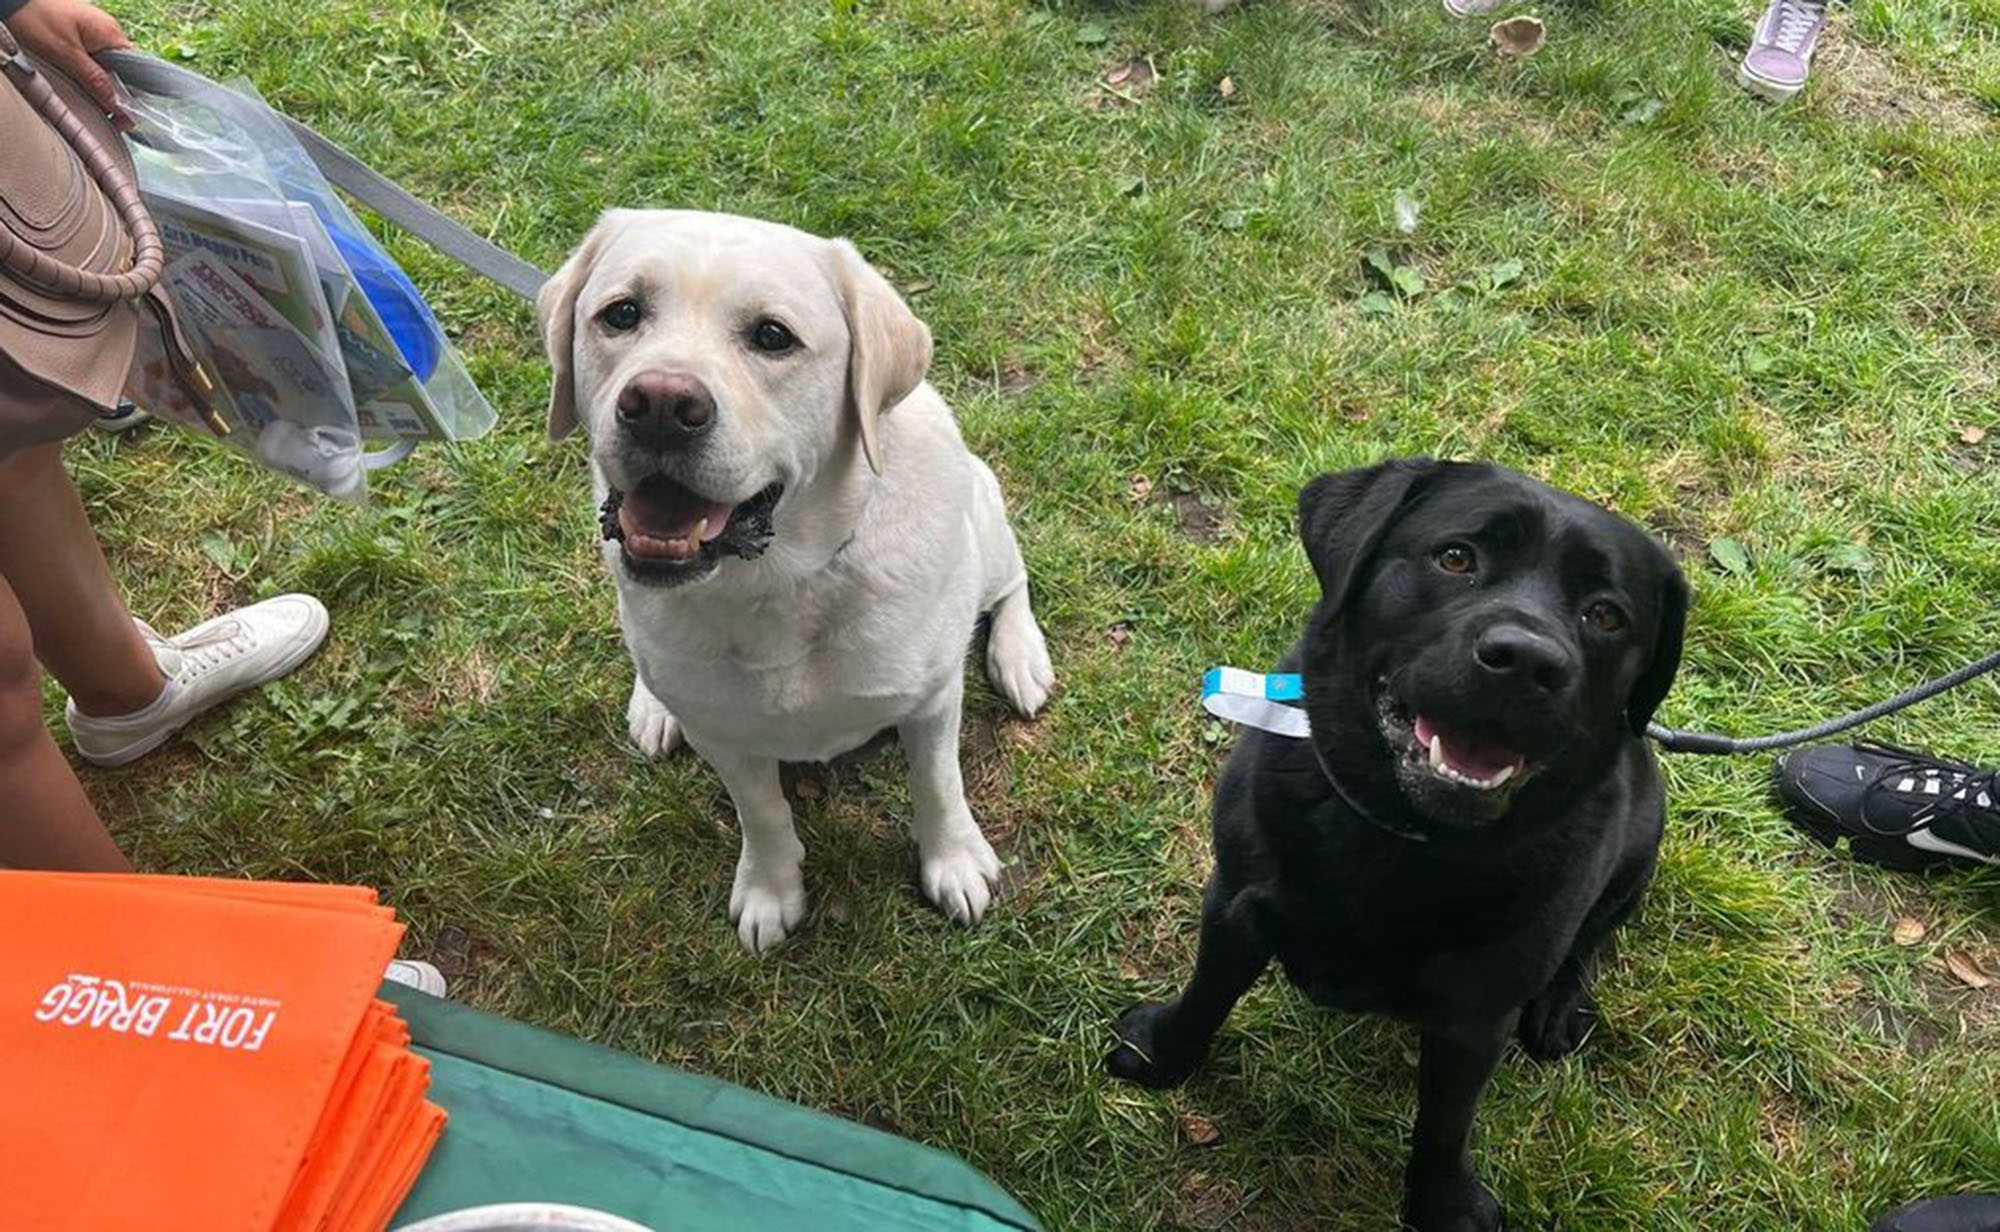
(1525, 657)
(667, 408)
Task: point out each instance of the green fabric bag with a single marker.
(538, 1117)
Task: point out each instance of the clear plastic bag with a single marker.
(317, 340)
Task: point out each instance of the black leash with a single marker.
(1674, 740)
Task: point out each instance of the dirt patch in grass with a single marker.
(1684, 523)
(1158, 947)
(1682, 532)
(1202, 1201)
(1944, 1011)
(1480, 116)
(1864, 83)
(1863, 903)
(816, 780)
(1015, 378)
(472, 677)
(459, 955)
(1200, 519)
(494, 334)
(1745, 167)
(1974, 451)
(987, 759)
(1022, 875)
(1780, 1125)
(1915, 1033)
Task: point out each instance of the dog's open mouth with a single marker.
(1457, 754)
(670, 533)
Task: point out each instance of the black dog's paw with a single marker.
(1458, 1205)
(1145, 1054)
(1555, 1024)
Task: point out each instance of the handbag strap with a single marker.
(31, 264)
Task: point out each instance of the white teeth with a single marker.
(700, 529)
(1443, 768)
(1445, 771)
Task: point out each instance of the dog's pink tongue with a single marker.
(673, 515)
(1472, 756)
(669, 523)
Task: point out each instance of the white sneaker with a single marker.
(1471, 8)
(414, 973)
(204, 667)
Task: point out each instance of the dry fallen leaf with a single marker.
(1519, 37)
(1908, 931)
(1199, 1130)
(1141, 488)
(1967, 969)
(1973, 435)
(1226, 88)
(1119, 634)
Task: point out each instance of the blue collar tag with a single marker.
(1257, 700)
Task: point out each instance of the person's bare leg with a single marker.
(50, 557)
(45, 819)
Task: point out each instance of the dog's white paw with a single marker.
(766, 903)
(1017, 656)
(959, 875)
(655, 731)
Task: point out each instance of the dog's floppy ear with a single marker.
(1343, 516)
(555, 312)
(1650, 689)
(890, 350)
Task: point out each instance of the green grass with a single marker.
(1729, 320)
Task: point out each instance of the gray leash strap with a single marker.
(367, 185)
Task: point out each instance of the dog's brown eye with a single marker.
(620, 315)
(767, 335)
(1456, 558)
(1605, 616)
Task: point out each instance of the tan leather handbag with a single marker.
(80, 261)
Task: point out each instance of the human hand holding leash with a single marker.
(67, 34)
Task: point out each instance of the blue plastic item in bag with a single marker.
(395, 297)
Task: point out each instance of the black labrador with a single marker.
(1476, 810)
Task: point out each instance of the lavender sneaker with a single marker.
(1781, 51)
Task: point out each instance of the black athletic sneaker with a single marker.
(1966, 1213)
(1895, 807)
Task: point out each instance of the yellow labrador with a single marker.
(801, 541)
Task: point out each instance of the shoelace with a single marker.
(1796, 20)
(209, 649)
(1962, 786)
